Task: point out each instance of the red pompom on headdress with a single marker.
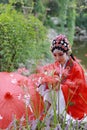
(61, 43)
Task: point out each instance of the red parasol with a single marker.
(17, 94)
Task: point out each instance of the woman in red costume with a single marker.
(69, 88)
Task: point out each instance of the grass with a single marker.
(49, 124)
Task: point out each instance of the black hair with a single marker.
(72, 56)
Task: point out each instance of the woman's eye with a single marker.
(60, 54)
(55, 55)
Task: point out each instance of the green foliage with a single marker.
(20, 39)
(71, 20)
(81, 20)
(49, 23)
(63, 6)
(38, 6)
(4, 1)
(54, 8)
(15, 1)
(39, 10)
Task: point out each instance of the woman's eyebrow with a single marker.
(60, 53)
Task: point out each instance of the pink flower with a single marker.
(48, 69)
(50, 79)
(23, 82)
(36, 79)
(22, 70)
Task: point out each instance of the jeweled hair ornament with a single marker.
(62, 43)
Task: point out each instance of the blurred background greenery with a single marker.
(24, 27)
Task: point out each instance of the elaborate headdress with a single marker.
(61, 43)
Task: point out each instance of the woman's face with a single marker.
(60, 56)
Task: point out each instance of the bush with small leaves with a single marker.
(20, 38)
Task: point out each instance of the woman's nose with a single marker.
(57, 57)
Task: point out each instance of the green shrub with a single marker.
(54, 8)
(81, 20)
(20, 39)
